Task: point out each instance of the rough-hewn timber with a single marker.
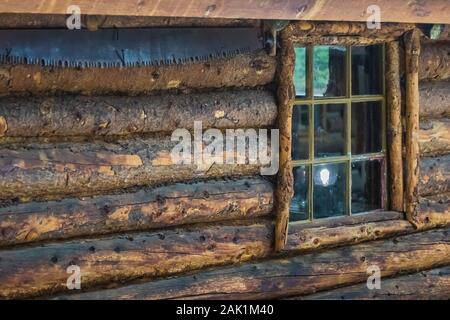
(435, 61)
(394, 126)
(146, 208)
(434, 136)
(89, 116)
(129, 256)
(434, 175)
(434, 99)
(42, 170)
(426, 285)
(296, 276)
(246, 70)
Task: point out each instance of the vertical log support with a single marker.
(412, 50)
(286, 96)
(395, 130)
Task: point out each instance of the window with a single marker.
(338, 131)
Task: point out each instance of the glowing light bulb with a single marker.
(325, 176)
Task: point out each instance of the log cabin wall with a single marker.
(86, 180)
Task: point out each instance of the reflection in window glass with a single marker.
(329, 190)
(300, 133)
(299, 203)
(366, 127)
(366, 186)
(329, 71)
(300, 72)
(329, 130)
(367, 70)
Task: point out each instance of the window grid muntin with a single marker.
(310, 100)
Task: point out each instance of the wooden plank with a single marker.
(412, 53)
(295, 276)
(286, 97)
(434, 99)
(148, 208)
(104, 115)
(434, 176)
(326, 10)
(31, 271)
(434, 137)
(54, 170)
(244, 70)
(426, 285)
(395, 126)
(435, 61)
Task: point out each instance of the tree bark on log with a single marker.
(100, 116)
(434, 211)
(434, 99)
(31, 271)
(300, 275)
(147, 208)
(434, 175)
(46, 170)
(426, 285)
(435, 61)
(245, 70)
(434, 137)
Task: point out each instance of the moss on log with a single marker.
(426, 285)
(245, 70)
(147, 208)
(53, 170)
(434, 137)
(295, 276)
(434, 99)
(435, 61)
(31, 271)
(102, 115)
(434, 175)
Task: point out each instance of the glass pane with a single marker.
(300, 133)
(366, 186)
(299, 203)
(366, 127)
(329, 71)
(367, 70)
(300, 72)
(329, 190)
(329, 130)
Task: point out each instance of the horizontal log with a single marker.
(31, 271)
(434, 137)
(434, 99)
(295, 276)
(433, 211)
(426, 285)
(52, 170)
(147, 208)
(434, 61)
(425, 11)
(434, 175)
(92, 22)
(245, 70)
(89, 116)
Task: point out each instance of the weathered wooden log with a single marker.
(40, 270)
(412, 53)
(27, 21)
(245, 70)
(434, 99)
(46, 170)
(346, 231)
(434, 211)
(435, 61)
(147, 208)
(286, 97)
(394, 126)
(434, 137)
(89, 116)
(426, 285)
(300, 275)
(434, 175)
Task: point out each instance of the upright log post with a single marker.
(395, 130)
(286, 96)
(412, 50)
